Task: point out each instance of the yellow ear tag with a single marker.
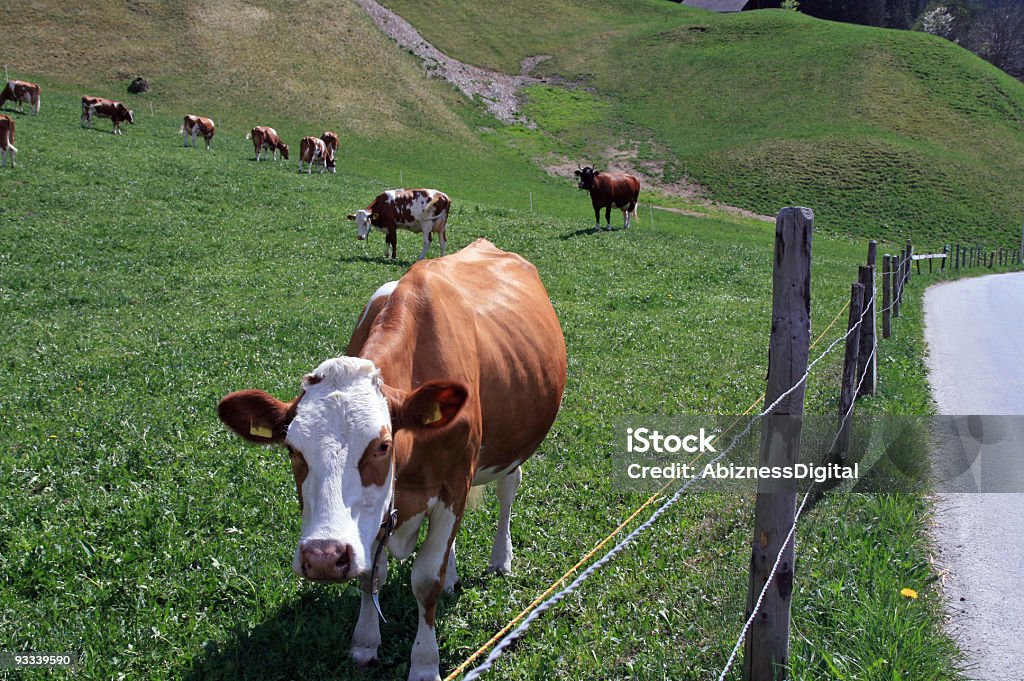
(261, 431)
(434, 417)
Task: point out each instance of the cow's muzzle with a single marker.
(326, 560)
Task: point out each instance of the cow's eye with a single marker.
(385, 447)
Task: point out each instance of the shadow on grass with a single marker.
(588, 231)
(309, 637)
(378, 260)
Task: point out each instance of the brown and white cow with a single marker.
(194, 126)
(453, 378)
(416, 210)
(264, 137)
(315, 150)
(7, 147)
(108, 108)
(607, 190)
(331, 140)
(21, 92)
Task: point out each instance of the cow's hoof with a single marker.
(499, 570)
(365, 658)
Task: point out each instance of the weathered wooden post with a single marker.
(866, 364)
(991, 259)
(945, 257)
(766, 649)
(897, 268)
(848, 387)
(910, 259)
(886, 295)
(956, 261)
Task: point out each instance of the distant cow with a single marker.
(7, 147)
(264, 137)
(607, 190)
(315, 150)
(195, 126)
(416, 210)
(331, 140)
(21, 91)
(108, 108)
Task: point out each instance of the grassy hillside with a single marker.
(135, 530)
(140, 282)
(870, 127)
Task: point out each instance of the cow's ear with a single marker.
(576, 173)
(596, 172)
(431, 406)
(373, 216)
(257, 416)
(351, 217)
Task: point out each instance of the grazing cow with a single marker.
(264, 137)
(315, 150)
(454, 376)
(195, 126)
(108, 108)
(331, 140)
(21, 91)
(417, 210)
(607, 190)
(7, 147)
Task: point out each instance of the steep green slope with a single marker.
(869, 127)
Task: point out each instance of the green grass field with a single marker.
(141, 281)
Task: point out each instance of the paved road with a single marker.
(975, 334)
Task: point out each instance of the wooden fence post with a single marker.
(910, 259)
(945, 257)
(867, 365)
(886, 295)
(956, 261)
(848, 387)
(897, 268)
(766, 649)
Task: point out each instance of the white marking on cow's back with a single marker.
(385, 290)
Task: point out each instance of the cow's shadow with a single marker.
(309, 636)
(401, 263)
(589, 231)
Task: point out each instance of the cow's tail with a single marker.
(248, 135)
(39, 101)
(635, 205)
(476, 497)
(181, 130)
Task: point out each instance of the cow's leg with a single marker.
(443, 238)
(366, 637)
(608, 216)
(597, 217)
(426, 243)
(625, 217)
(501, 552)
(391, 243)
(428, 575)
(451, 575)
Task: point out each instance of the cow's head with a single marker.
(127, 114)
(284, 150)
(329, 161)
(339, 433)
(586, 177)
(364, 222)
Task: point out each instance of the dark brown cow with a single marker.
(417, 210)
(454, 376)
(315, 150)
(264, 137)
(195, 126)
(7, 147)
(108, 108)
(21, 91)
(607, 190)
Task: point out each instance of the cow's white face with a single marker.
(340, 444)
(363, 224)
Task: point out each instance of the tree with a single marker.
(998, 36)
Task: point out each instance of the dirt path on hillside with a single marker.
(500, 93)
